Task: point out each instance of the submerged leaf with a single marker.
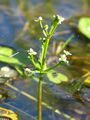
(84, 26)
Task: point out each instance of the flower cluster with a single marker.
(63, 57)
(32, 52)
(59, 18)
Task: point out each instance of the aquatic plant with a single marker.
(21, 60)
(41, 64)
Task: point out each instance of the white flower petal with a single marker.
(67, 52)
(39, 19)
(63, 58)
(32, 52)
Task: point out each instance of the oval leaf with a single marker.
(56, 77)
(20, 58)
(8, 59)
(84, 26)
(4, 50)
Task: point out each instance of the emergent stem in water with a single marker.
(57, 20)
(40, 97)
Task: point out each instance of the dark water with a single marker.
(65, 105)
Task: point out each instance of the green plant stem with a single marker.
(43, 63)
(44, 52)
(66, 43)
(53, 67)
(40, 97)
(32, 60)
(44, 32)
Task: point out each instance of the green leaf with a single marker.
(20, 70)
(20, 59)
(5, 53)
(4, 50)
(84, 26)
(8, 59)
(54, 25)
(56, 77)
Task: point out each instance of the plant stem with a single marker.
(44, 52)
(53, 67)
(43, 61)
(40, 97)
(66, 43)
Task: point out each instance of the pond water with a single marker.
(58, 102)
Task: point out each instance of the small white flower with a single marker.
(60, 18)
(67, 52)
(63, 58)
(44, 39)
(32, 52)
(27, 70)
(39, 19)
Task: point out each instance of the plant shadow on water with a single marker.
(61, 102)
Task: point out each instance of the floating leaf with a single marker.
(4, 50)
(56, 77)
(8, 59)
(84, 26)
(7, 55)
